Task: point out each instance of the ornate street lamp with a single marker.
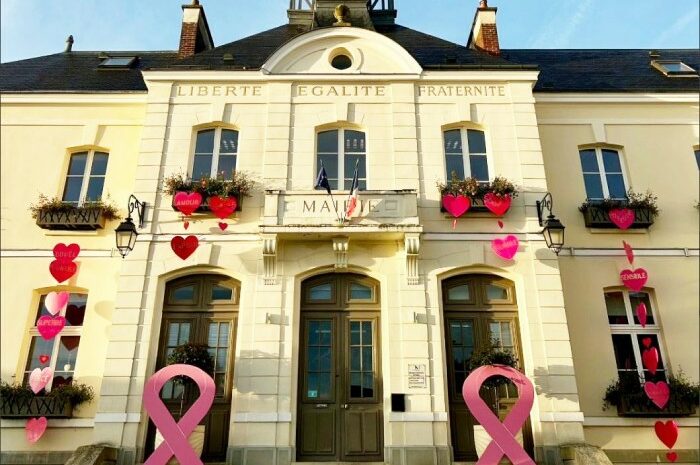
(553, 231)
(126, 232)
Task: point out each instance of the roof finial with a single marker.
(69, 43)
(483, 4)
(195, 2)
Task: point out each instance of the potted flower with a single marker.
(596, 213)
(628, 396)
(55, 214)
(17, 401)
(196, 355)
(494, 196)
(238, 186)
(486, 355)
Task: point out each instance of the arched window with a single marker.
(340, 151)
(86, 177)
(465, 154)
(603, 173)
(215, 153)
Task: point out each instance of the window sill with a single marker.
(616, 421)
(53, 423)
(48, 232)
(617, 231)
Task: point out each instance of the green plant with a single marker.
(190, 354)
(56, 205)
(633, 201)
(629, 386)
(14, 392)
(240, 184)
(491, 354)
(475, 189)
(72, 393)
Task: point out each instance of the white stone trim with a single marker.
(118, 418)
(590, 252)
(616, 97)
(622, 421)
(118, 98)
(262, 417)
(561, 417)
(418, 416)
(32, 253)
(53, 423)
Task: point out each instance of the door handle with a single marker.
(345, 406)
(321, 405)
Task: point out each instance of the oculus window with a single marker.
(339, 151)
(465, 154)
(215, 153)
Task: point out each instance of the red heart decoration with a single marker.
(456, 205)
(49, 326)
(629, 252)
(500, 224)
(62, 269)
(223, 226)
(646, 341)
(634, 280)
(623, 218)
(222, 207)
(650, 358)
(187, 202)
(186, 224)
(498, 204)
(658, 393)
(667, 432)
(43, 358)
(506, 248)
(66, 252)
(671, 456)
(34, 429)
(184, 247)
(642, 314)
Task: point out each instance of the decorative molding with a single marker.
(269, 251)
(341, 244)
(562, 417)
(53, 423)
(118, 418)
(418, 416)
(262, 417)
(645, 422)
(412, 244)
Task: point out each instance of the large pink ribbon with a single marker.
(175, 435)
(503, 441)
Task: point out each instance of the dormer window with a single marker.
(674, 68)
(117, 62)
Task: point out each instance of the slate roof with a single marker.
(561, 70)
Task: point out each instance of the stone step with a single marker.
(93, 455)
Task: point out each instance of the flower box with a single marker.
(204, 207)
(75, 219)
(477, 207)
(644, 408)
(32, 407)
(597, 217)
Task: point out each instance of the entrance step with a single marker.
(93, 455)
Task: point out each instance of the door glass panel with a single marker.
(321, 292)
(460, 293)
(184, 293)
(494, 292)
(360, 292)
(221, 293)
(361, 360)
(178, 334)
(462, 348)
(318, 359)
(218, 341)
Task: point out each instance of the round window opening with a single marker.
(341, 62)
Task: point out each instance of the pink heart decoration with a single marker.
(650, 358)
(671, 456)
(498, 204)
(49, 327)
(667, 432)
(56, 302)
(646, 341)
(642, 314)
(223, 226)
(66, 252)
(623, 218)
(186, 224)
(62, 269)
(505, 248)
(222, 207)
(629, 252)
(456, 205)
(659, 393)
(184, 247)
(634, 280)
(43, 358)
(34, 429)
(38, 379)
(187, 202)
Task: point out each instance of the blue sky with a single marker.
(30, 28)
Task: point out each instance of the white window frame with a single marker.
(601, 168)
(635, 330)
(466, 152)
(214, 170)
(86, 173)
(341, 156)
(66, 331)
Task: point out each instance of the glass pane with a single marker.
(184, 293)
(75, 311)
(213, 338)
(594, 187)
(330, 163)
(637, 298)
(71, 192)
(611, 161)
(76, 167)
(320, 292)
(616, 186)
(356, 385)
(494, 292)
(324, 359)
(328, 142)
(227, 165)
(589, 162)
(367, 333)
(62, 378)
(455, 166)
(479, 166)
(506, 339)
(324, 387)
(318, 360)
(477, 141)
(647, 341)
(99, 164)
(368, 385)
(360, 292)
(224, 334)
(173, 334)
(229, 141)
(313, 359)
(624, 352)
(348, 184)
(324, 335)
(39, 346)
(221, 293)
(355, 362)
(350, 161)
(95, 186)
(354, 142)
(453, 142)
(355, 337)
(205, 142)
(220, 380)
(615, 304)
(456, 332)
(697, 158)
(459, 293)
(202, 167)
(67, 353)
(462, 348)
(367, 358)
(221, 358)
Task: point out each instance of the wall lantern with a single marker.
(553, 231)
(126, 232)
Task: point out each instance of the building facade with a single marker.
(321, 329)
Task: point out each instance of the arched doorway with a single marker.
(478, 308)
(339, 413)
(201, 309)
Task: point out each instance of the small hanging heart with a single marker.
(500, 224)
(647, 342)
(671, 456)
(186, 224)
(223, 226)
(642, 314)
(34, 429)
(43, 358)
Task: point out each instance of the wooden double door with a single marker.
(339, 415)
(201, 309)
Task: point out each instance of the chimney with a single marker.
(484, 35)
(195, 36)
(69, 44)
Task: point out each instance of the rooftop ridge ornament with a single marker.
(341, 14)
(483, 4)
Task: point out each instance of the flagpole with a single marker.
(330, 192)
(357, 164)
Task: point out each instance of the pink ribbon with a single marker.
(175, 435)
(503, 441)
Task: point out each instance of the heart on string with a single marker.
(505, 248)
(184, 246)
(62, 269)
(187, 203)
(623, 218)
(671, 456)
(38, 379)
(646, 341)
(634, 280)
(498, 204)
(456, 205)
(34, 429)
(43, 358)
(66, 252)
(222, 207)
(650, 358)
(223, 226)
(641, 311)
(49, 327)
(500, 224)
(56, 302)
(629, 252)
(658, 393)
(667, 432)
(186, 224)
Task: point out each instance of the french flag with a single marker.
(352, 198)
